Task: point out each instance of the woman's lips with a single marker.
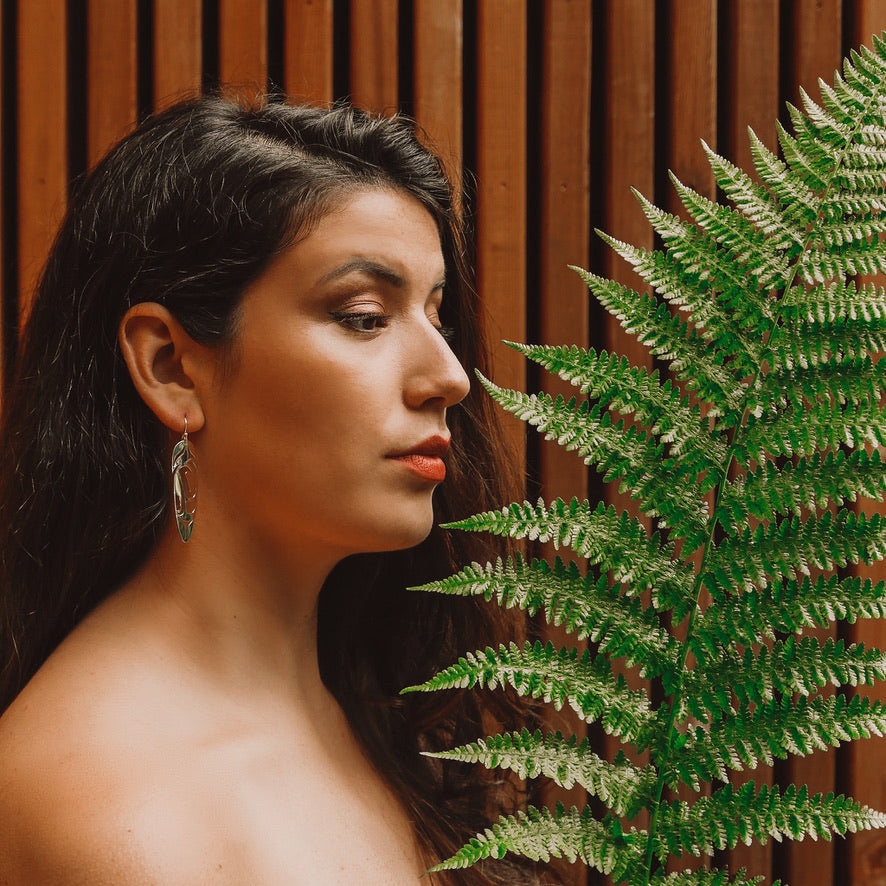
(430, 467)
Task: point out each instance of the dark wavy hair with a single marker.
(187, 211)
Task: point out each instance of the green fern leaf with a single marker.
(588, 607)
(786, 607)
(744, 814)
(811, 483)
(625, 455)
(670, 338)
(773, 730)
(541, 834)
(635, 391)
(586, 683)
(623, 787)
(789, 547)
(706, 878)
(794, 666)
(616, 542)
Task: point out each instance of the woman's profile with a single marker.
(241, 407)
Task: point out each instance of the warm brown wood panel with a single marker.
(501, 190)
(752, 77)
(438, 46)
(692, 94)
(42, 135)
(629, 128)
(867, 759)
(818, 27)
(111, 73)
(817, 54)
(308, 50)
(178, 49)
(564, 240)
(374, 34)
(243, 46)
(565, 207)
(692, 66)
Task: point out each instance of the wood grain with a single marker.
(501, 189)
(42, 136)
(308, 46)
(111, 76)
(438, 47)
(374, 68)
(243, 47)
(178, 50)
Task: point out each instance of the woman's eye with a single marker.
(447, 332)
(361, 322)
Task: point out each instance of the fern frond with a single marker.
(812, 483)
(633, 390)
(614, 541)
(790, 546)
(756, 203)
(707, 878)
(622, 786)
(688, 354)
(540, 834)
(794, 666)
(586, 683)
(744, 814)
(691, 276)
(792, 431)
(786, 607)
(588, 607)
(627, 455)
(773, 730)
(747, 458)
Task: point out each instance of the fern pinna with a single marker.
(745, 464)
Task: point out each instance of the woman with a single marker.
(206, 682)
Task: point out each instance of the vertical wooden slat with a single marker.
(4, 307)
(870, 19)
(692, 110)
(752, 83)
(178, 50)
(437, 86)
(692, 98)
(867, 759)
(308, 50)
(817, 41)
(752, 77)
(42, 135)
(817, 53)
(501, 191)
(565, 198)
(374, 35)
(111, 73)
(243, 47)
(629, 157)
(565, 233)
(629, 161)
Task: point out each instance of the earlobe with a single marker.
(159, 355)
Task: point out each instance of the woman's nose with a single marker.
(436, 373)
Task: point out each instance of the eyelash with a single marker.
(353, 319)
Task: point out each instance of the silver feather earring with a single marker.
(184, 485)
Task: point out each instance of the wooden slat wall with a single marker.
(557, 107)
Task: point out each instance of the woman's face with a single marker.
(329, 431)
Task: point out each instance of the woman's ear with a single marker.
(167, 366)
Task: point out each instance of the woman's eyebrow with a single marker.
(373, 269)
(366, 266)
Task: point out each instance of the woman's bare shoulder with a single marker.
(82, 779)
